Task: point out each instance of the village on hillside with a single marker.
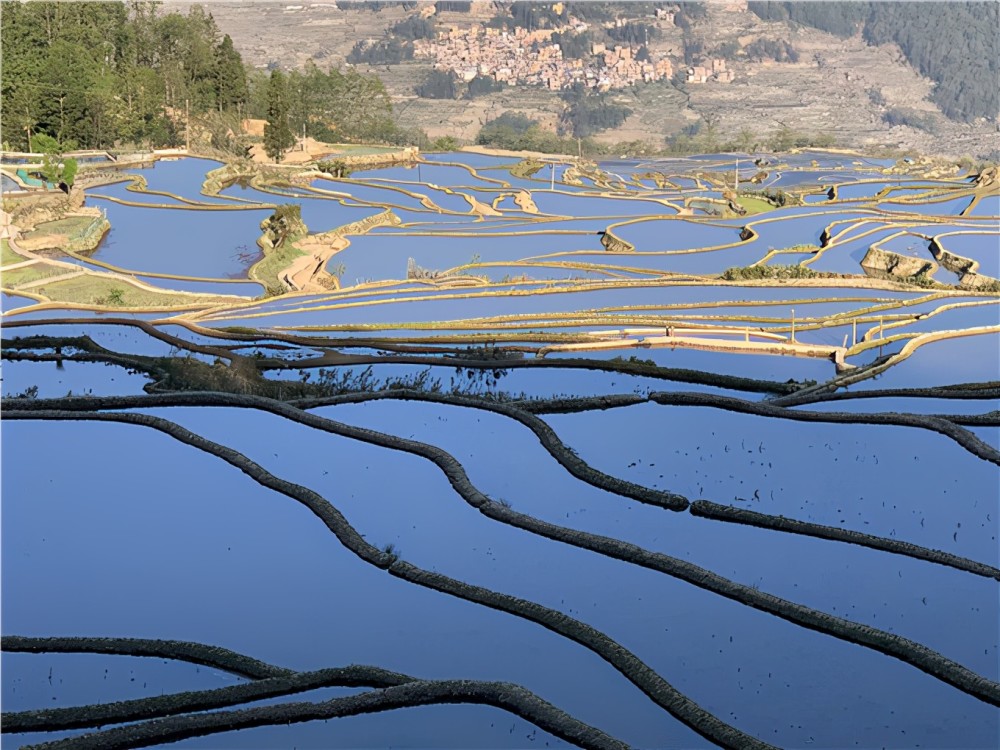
(533, 58)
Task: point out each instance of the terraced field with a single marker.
(604, 455)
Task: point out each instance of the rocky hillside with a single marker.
(863, 95)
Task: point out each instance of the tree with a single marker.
(337, 168)
(483, 85)
(55, 168)
(439, 84)
(230, 77)
(278, 135)
(445, 143)
(746, 140)
(68, 172)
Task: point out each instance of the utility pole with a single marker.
(552, 184)
(854, 342)
(737, 174)
(187, 125)
(793, 325)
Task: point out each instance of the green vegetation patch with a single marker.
(754, 205)
(9, 256)
(276, 260)
(72, 227)
(750, 273)
(98, 290)
(526, 168)
(31, 273)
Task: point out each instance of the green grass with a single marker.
(754, 205)
(32, 273)
(275, 261)
(71, 226)
(95, 290)
(9, 256)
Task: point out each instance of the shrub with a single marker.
(752, 273)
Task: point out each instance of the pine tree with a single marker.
(230, 78)
(277, 134)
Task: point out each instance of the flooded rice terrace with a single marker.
(550, 453)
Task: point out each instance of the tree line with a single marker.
(93, 74)
(107, 75)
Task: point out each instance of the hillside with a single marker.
(861, 94)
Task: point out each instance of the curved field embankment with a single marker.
(963, 437)
(268, 682)
(464, 359)
(505, 696)
(967, 391)
(914, 342)
(717, 512)
(901, 648)
(869, 335)
(623, 660)
(911, 346)
(966, 268)
(545, 434)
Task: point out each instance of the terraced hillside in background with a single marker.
(829, 90)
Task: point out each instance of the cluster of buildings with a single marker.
(711, 70)
(531, 58)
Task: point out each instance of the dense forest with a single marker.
(387, 51)
(519, 132)
(413, 27)
(335, 106)
(439, 84)
(589, 113)
(955, 44)
(107, 74)
(92, 74)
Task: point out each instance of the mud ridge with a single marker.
(627, 663)
(717, 512)
(520, 701)
(509, 697)
(901, 648)
(194, 653)
(963, 437)
(545, 434)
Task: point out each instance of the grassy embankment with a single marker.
(34, 272)
(9, 257)
(91, 289)
(754, 205)
(276, 259)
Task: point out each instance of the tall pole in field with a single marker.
(187, 125)
(552, 184)
(793, 325)
(737, 174)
